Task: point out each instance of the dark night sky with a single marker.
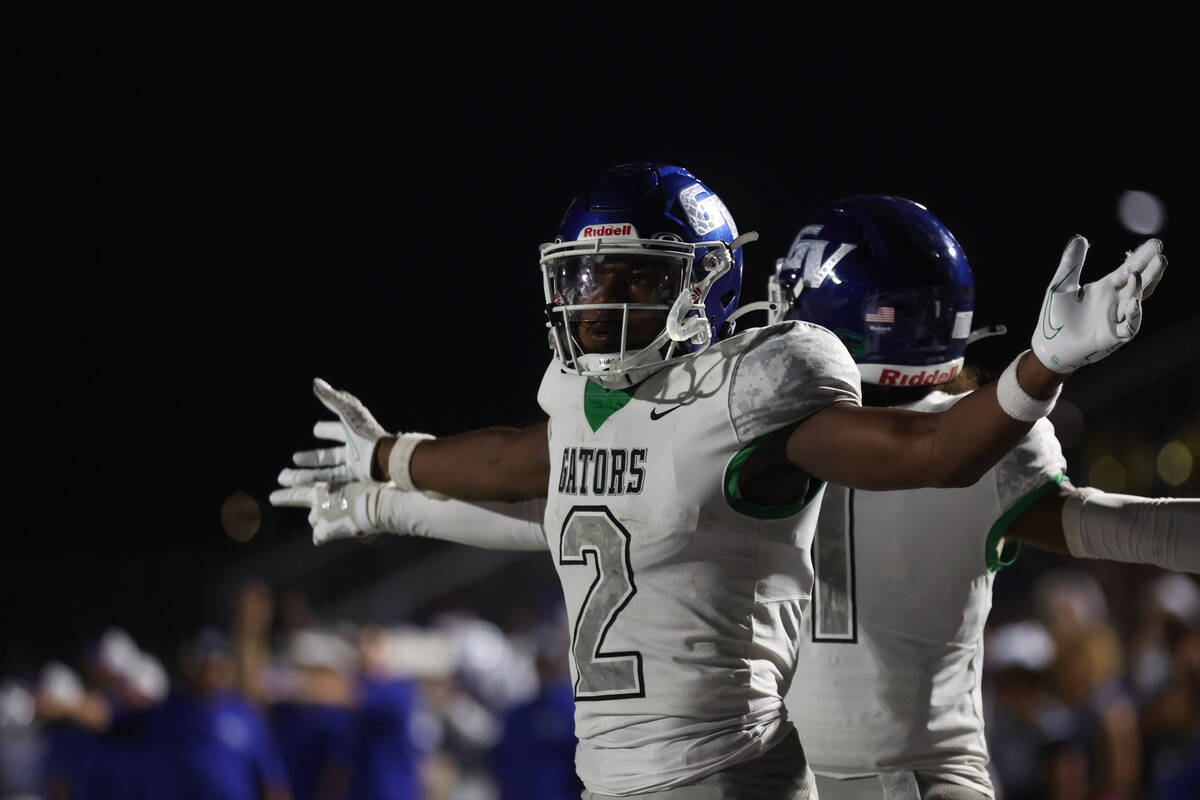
(212, 207)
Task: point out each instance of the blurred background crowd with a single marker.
(279, 704)
(1092, 689)
(1092, 682)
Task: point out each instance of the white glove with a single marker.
(335, 511)
(356, 429)
(1082, 325)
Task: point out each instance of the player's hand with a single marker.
(335, 511)
(1082, 324)
(356, 430)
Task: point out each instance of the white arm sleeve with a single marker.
(1164, 532)
(494, 526)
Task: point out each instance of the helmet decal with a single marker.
(808, 255)
(884, 315)
(608, 231)
(706, 215)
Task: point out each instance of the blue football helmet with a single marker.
(646, 269)
(889, 280)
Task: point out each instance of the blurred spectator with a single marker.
(213, 741)
(100, 742)
(1087, 672)
(488, 674)
(1069, 602)
(314, 726)
(72, 722)
(21, 742)
(1038, 749)
(1167, 677)
(497, 672)
(391, 734)
(535, 758)
(253, 612)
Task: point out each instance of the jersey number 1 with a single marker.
(834, 607)
(594, 531)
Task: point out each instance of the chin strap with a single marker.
(627, 371)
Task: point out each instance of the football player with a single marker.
(682, 473)
(887, 698)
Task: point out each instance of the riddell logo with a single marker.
(597, 231)
(894, 377)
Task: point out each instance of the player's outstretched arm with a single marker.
(886, 448)
(1089, 523)
(498, 464)
(878, 448)
(493, 464)
(353, 510)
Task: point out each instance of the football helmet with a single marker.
(888, 278)
(646, 269)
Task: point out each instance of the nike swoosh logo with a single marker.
(655, 415)
(1046, 323)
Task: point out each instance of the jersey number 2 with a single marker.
(594, 531)
(834, 607)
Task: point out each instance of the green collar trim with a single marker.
(741, 505)
(599, 403)
(1000, 552)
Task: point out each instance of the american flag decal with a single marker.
(882, 314)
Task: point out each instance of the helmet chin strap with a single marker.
(620, 372)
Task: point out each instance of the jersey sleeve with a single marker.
(787, 373)
(1036, 461)
(1032, 468)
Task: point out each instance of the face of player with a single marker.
(624, 280)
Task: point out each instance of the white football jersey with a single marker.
(685, 601)
(888, 677)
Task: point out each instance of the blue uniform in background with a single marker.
(217, 749)
(123, 763)
(386, 756)
(315, 741)
(535, 759)
(71, 753)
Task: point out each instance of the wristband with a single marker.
(1016, 402)
(401, 457)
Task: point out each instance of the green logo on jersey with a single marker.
(599, 403)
